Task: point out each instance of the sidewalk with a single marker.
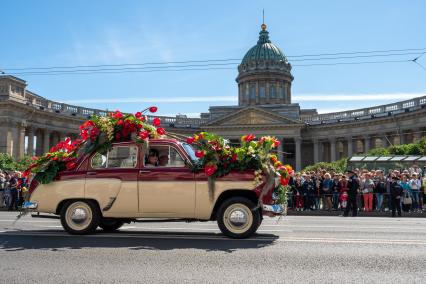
(360, 213)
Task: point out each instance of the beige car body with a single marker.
(162, 197)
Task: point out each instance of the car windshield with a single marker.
(190, 151)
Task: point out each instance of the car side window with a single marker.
(117, 157)
(163, 156)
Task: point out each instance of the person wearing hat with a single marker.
(395, 195)
(353, 186)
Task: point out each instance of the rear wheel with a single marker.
(80, 217)
(237, 219)
(110, 225)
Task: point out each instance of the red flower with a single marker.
(156, 121)
(248, 137)
(54, 158)
(210, 169)
(70, 165)
(234, 157)
(117, 136)
(120, 122)
(35, 158)
(143, 135)
(153, 109)
(138, 114)
(118, 114)
(199, 154)
(190, 140)
(284, 181)
(161, 131)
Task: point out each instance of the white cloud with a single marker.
(156, 100)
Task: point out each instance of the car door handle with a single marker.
(91, 173)
(144, 172)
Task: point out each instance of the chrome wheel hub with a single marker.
(238, 218)
(78, 216)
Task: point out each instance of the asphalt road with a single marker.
(294, 249)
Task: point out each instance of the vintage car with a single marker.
(125, 185)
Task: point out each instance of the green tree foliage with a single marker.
(10, 164)
(418, 148)
(337, 166)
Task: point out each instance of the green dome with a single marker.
(264, 50)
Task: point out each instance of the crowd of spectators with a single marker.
(13, 188)
(322, 190)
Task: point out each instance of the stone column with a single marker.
(46, 140)
(298, 153)
(30, 150)
(6, 140)
(39, 143)
(385, 141)
(417, 135)
(366, 143)
(332, 149)
(257, 93)
(350, 146)
(267, 92)
(18, 141)
(316, 151)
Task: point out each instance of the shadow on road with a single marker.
(146, 240)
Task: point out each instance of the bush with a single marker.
(8, 163)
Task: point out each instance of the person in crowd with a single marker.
(2, 190)
(415, 185)
(335, 188)
(13, 187)
(327, 184)
(367, 191)
(396, 192)
(379, 190)
(309, 190)
(343, 194)
(423, 193)
(317, 193)
(353, 186)
(299, 194)
(407, 196)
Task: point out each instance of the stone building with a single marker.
(30, 124)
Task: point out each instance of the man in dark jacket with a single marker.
(395, 194)
(353, 186)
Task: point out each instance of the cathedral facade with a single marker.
(31, 124)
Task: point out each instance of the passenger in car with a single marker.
(152, 160)
(164, 160)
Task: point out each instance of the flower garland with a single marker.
(96, 134)
(217, 158)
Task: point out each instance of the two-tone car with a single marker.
(109, 189)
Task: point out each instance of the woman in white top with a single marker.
(415, 185)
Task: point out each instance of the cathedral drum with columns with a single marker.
(31, 124)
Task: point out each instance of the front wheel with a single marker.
(237, 218)
(80, 217)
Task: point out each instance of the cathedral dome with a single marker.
(264, 50)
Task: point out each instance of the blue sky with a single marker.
(68, 33)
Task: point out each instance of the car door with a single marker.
(112, 180)
(167, 189)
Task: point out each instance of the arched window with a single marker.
(282, 91)
(272, 92)
(262, 92)
(252, 91)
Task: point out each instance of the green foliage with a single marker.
(337, 166)
(418, 148)
(8, 163)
